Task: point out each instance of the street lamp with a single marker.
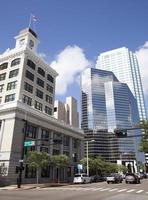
(87, 163)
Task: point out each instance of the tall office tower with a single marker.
(27, 92)
(67, 112)
(123, 63)
(108, 104)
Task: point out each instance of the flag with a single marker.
(34, 18)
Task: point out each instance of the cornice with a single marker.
(11, 54)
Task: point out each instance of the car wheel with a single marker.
(108, 182)
(126, 182)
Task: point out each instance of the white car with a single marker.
(82, 178)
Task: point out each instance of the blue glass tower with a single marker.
(107, 104)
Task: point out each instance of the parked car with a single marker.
(97, 178)
(82, 178)
(114, 178)
(132, 178)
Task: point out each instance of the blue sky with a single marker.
(83, 28)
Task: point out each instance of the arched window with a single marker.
(15, 62)
(3, 66)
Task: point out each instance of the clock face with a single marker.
(31, 44)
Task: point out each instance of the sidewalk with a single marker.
(33, 186)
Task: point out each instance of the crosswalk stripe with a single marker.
(105, 189)
(131, 190)
(122, 190)
(95, 189)
(139, 191)
(113, 189)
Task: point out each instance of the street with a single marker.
(94, 191)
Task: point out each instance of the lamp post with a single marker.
(87, 162)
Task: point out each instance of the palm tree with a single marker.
(61, 162)
(37, 160)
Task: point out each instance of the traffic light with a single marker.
(120, 133)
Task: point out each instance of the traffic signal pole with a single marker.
(21, 167)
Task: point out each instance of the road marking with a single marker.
(139, 191)
(122, 190)
(131, 190)
(146, 192)
(105, 189)
(113, 189)
(95, 189)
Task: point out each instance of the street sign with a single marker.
(29, 143)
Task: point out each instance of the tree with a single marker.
(37, 160)
(95, 165)
(144, 142)
(61, 162)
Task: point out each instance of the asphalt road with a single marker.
(94, 191)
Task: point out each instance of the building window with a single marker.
(13, 73)
(15, 62)
(29, 75)
(2, 76)
(48, 99)
(1, 87)
(31, 64)
(66, 141)
(41, 71)
(48, 110)
(10, 97)
(44, 149)
(75, 143)
(38, 105)
(55, 109)
(39, 94)
(49, 88)
(45, 135)
(11, 85)
(40, 82)
(50, 78)
(31, 131)
(28, 87)
(27, 100)
(3, 66)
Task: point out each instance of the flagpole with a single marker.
(30, 19)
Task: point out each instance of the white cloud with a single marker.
(142, 55)
(69, 63)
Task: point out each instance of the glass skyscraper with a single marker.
(107, 104)
(123, 63)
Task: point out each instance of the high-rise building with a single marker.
(27, 92)
(123, 63)
(67, 112)
(106, 105)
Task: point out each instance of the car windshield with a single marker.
(77, 175)
(129, 174)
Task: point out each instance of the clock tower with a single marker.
(27, 38)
